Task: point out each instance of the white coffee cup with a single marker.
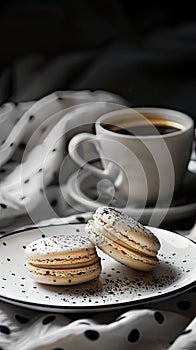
(144, 151)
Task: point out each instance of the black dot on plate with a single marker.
(26, 181)
(91, 334)
(4, 243)
(184, 305)
(31, 117)
(159, 317)
(134, 336)
(3, 206)
(58, 349)
(80, 218)
(48, 319)
(21, 319)
(11, 144)
(4, 330)
(54, 150)
(60, 98)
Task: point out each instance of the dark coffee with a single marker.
(154, 126)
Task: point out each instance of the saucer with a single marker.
(85, 191)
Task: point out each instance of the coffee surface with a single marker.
(144, 130)
(149, 128)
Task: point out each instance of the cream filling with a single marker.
(63, 272)
(129, 254)
(63, 263)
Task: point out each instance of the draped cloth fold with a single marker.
(34, 163)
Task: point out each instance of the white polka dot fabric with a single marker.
(33, 159)
(33, 144)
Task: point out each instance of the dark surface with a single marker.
(143, 52)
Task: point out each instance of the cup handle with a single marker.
(73, 148)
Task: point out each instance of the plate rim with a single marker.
(95, 308)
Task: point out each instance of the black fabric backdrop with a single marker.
(144, 52)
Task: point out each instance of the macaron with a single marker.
(123, 238)
(62, 260)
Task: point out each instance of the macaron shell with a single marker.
(127, 257)
(66, 276)
(93, 234)
(59, 246)
(118, 223)
(98, 235)
(62, 260)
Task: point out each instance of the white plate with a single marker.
(118, 286)
(88, 192)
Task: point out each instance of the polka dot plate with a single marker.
(117, 286)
